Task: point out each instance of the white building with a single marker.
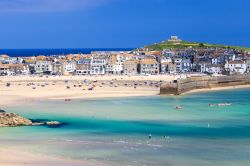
(178, 64)
(186, 65)
(236, 67)
(115, 64)
(69, 67)
(97, 66)
(174, 39)
(43, 66)
(114, 68)
(214, 69)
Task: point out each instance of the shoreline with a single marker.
(216, 89)
(19, 92)
(26, 89)
(14, 157)
(9, 100)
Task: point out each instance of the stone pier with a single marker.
(184, 85)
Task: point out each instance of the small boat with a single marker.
(67, 100)
(8, 84)
(224, 104)
(178, 107)
(228, 104)
(211, 105)
(91, 88)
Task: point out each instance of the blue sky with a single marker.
(121, 23)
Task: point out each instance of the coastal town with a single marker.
(144, 61)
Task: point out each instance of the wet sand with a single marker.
(11, 157)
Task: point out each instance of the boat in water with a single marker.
(178, 107)
(224, 104)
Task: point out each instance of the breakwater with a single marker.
(180, 86)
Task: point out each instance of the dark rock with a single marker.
(2, 111)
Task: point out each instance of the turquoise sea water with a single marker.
(115, 131)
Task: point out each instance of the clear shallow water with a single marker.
(115, 131)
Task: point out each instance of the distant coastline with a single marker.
(56, 51)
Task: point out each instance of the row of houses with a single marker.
(145, 62)
(84, 66)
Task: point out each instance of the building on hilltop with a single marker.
(174, 39)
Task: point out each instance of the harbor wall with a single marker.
(184, 85)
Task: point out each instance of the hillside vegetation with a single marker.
(186, 44)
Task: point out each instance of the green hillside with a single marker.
(186, 44)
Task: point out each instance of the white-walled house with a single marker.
(222, 59)
(186, 65)
(97, 66)
(236, 67)
(114, 64)
(214, 69)
(43, 66)
(69, 67)
(178, 64)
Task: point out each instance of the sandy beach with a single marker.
(26, 88)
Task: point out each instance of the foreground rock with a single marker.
(13, 120)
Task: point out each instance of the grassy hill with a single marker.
(186, 44)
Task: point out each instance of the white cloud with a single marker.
(47, 5)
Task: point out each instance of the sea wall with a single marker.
(184, 85)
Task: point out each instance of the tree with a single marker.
(201, 45)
